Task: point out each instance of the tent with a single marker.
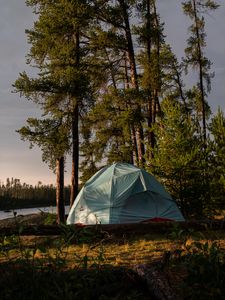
(122, 193)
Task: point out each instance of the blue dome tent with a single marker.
(122, 193)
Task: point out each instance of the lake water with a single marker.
(27, 211)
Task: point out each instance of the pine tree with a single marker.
(150, 36)
(59, 50)
(178, 159)
(114, 22)
(195, 56)
(161, 74)
(52, 137)
(131, 97)
(217, 130)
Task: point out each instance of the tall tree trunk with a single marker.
(60, 190)
(75, 156)
(200, 72)
(134, 142)
(140, 145)
(130, 48)
(111, 69)
(148, 30)
(126, 76)
(151, 136)
(158, 83)
(180, 87)
(134, 80)
(131, 147)
(134, 156)
(75, 130)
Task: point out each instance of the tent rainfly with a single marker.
(123, 193)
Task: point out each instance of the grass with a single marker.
(126, 251)
(95, 266)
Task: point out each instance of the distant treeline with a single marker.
(14, 194)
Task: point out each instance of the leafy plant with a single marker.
(50, 219)
(205, 265)
(44, 272)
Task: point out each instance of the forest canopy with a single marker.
(111, 89)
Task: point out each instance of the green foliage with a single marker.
(50, 219)
(179, 234)
(63, 86)
(196, 42)
(205, 265)
(110, 119)
(179, 157)
(49, 284)
(200, 263)
(195, 57)
(44, 273)
(217, 130)
(50, 135)
(106, 100)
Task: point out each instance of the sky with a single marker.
(16, 159)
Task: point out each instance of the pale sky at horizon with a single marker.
(16, 159)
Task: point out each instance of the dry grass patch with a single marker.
(97, 254)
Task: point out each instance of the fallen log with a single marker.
(114, 229)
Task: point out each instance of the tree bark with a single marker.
(134, 156)
(75, 130)
(180, 87)
(151, 136)
(60, 190)
(134, 80)
(75, 156)
(148, 29)
(158, 83)
(134, 142)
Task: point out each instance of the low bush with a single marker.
(205, 266)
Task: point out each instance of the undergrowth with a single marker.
(202, 264)
(86, 264)
(42, 269)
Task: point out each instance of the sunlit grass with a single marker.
(36, 257)
(116, 252)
